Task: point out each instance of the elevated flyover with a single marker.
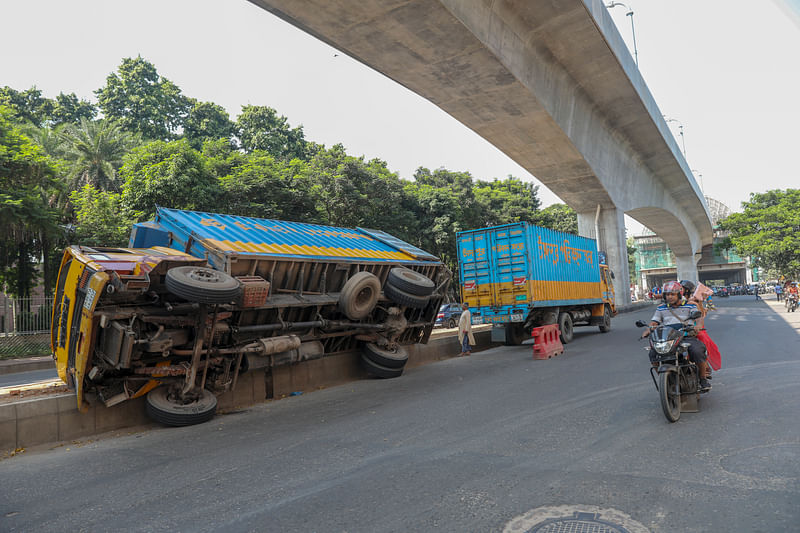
(552, 85)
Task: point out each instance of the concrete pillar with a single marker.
(611, 225)
(687, 266)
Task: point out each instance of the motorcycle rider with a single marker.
(675, 313)
(791, 292)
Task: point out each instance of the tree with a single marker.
(507, 201)
(168, 174)
(207, 121)
(351, 192)
(31, 107)
(69, 109)
(29, 222)
(261, 128)
(26, 106)
(559, 217)
(101, 218)
(259, 185)
(95, 150)
(768, 230)
(143, 101)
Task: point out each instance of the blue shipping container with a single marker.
(220, 237)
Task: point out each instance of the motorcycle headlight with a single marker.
(663, 346)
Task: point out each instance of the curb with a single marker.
(35, 421)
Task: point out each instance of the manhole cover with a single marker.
(577, 523)
(574, 519)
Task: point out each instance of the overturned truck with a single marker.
(199, 298)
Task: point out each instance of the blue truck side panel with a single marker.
(217, 235)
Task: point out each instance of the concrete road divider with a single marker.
(54, 417)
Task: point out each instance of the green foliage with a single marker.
(261, 128)
(169, 174)
(259, 185)
(143, 101)
(768, 230)
(207, 121)
(32, 108)
(28, 221)
(27, 106)
(68, 109)
(351, 192)
(507, 201)
(559, 217)
(102, 219)
(95, 150)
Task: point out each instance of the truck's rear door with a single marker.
(477, 273)
(510, 265)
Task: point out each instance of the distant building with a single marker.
(655, 262)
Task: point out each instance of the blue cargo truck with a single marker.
(521, 276)
(198, 298)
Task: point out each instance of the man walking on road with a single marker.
(465, 336)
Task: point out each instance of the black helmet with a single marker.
(688, 286)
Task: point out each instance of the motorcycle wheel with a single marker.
(670, 399)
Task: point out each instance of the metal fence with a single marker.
(25, 326)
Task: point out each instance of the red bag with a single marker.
(714, 357)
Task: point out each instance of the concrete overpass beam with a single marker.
(611, 240)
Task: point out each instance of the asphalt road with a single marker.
(26, 378)
(466, 444)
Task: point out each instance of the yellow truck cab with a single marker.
(86, 276)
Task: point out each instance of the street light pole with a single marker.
(700, 175)
(680, 132)
(633, 30)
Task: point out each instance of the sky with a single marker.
(728, 71)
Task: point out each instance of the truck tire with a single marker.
(379, 371)
(605, 327)
(409, 281)
(515, 334)
(390, 358)
(165, 411)
(202, 285)
(565, 327)
(359, 295)
(401, 297)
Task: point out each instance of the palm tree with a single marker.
(96, 148)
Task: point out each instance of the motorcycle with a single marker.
(676, 377)
(791, 302)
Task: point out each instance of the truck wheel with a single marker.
(401, 297)
(379, 371)
(202, 285)
(565, 327)
(515, 334)
(605, 327)
(410, 281)
(390, 358)
(166, 411)
(359, 295)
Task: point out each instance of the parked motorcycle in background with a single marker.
(676, 377)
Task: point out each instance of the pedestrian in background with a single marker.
(778, 291)
(465, 331)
